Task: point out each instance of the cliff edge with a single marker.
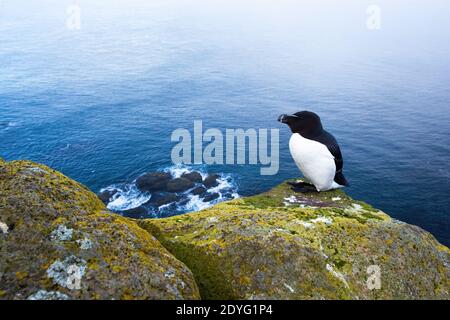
(58, 241)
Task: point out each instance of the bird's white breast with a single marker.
(314, 161)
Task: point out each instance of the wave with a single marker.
(127, 199)
(6, 125)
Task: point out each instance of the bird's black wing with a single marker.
(332, 145)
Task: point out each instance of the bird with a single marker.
(315, 152)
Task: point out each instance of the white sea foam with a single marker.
(226, 189)
(224, 183)
(177, 171)
(195, 204)
(127, 197)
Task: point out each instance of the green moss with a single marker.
(262, 201)
(277, 245)
(365, 206)
(369, 215)
(262, 246)
(36, 200)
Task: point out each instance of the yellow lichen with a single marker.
(20, 275)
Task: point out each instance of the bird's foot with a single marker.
(300, 184)
(304, 189)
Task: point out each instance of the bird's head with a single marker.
(305, 123)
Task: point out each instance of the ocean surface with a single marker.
(100, 103)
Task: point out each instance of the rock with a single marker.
(179, 185)
(198, 191)
(193, 176)
(61, 233)
(106, 195)
(45, 295)
(285, 245)
(58, 241)
(138, 212)
(62, 243)
(160, 199)
(153, 181)
(211, 181)
(228, 196)
(210, 197)
(4, 227)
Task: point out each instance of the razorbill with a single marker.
(315, 151)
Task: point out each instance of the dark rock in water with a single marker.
(199, 190)
(228, 196)
(210, 197)
(153, 181)
(135, 212)
(106, 195)
(211, 180)
(160, 199)
(193, 176)
(179, 185)
(183, 202)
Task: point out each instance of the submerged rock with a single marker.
(106, 195)
(198, 191)
(211, 181)
(138, 212)
(284, 245)
(62, 243)
(179, 185)
(160, 199)
(210, 197)
(193, 176)
(153, 181)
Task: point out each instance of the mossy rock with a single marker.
(285, 245)
(58, 241)
(277, 245)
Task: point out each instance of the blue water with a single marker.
(100, 103)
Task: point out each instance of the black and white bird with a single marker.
(315, 151)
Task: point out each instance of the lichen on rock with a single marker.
(286, 245)
(85, 243)
(68, 273)
(61, 233)
(58, 241)
(46, 295)
(61, 242)
(4, 227)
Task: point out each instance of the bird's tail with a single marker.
(340, 179)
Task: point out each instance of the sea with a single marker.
(96, 88)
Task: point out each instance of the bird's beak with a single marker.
(282, 118)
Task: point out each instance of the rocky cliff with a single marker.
(58, 241)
